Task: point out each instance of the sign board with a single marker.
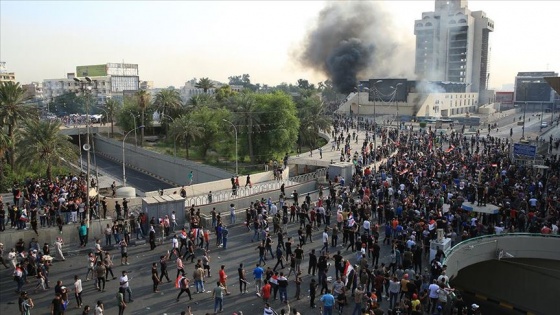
(524, 150)
(91, 71)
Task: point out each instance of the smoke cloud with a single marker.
(356, 39)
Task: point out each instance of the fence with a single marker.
(241, 192)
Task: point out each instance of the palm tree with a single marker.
(42, 142)
(311, 114)
(185, 128)
(111, 106)
(143, 102)
(170, 100)
(13, 110)
(4, 146)
(205, 84)
(245, 110)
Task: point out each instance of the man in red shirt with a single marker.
(265, 291)
(223, 278)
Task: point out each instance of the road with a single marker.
(240, 250)
(134, 178)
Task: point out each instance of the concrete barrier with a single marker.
(168, 168)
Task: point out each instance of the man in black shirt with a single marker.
(56, 305)
(242, 280)
(312, 263)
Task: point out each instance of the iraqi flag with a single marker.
(451, 147)
(348, 269)
(351, 221)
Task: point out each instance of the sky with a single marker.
(175, 41)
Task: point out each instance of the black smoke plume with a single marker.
(352, 39)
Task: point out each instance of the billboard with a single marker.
(91, 71)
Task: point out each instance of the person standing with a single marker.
(152, 237)
(56, 305)
(108, 261)
(78, 290)
(126, 286)
(328, 302)
(198, 277)
(100, 272)
(120, 300)
(58, 247)
(163, 267)
(283, 287)
(82, 233)
(99, 308)
(242, 279)
(155, 278)
(258, 273)
(124, 252)
(218, 295)
(180, 267)
(223, 279)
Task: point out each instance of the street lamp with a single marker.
(236, 158)
(397, 102)
(123, 156)
(135, 128)
(86, 88)
(524, 112)
(374, 114)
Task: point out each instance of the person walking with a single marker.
(242, 279)
(180, 267)
(108, 261)
(152, 237)
(198, 277)
(258, 273)
(218, 296)
(279, 257)
(78, 291)
(155, 279)
(184, 286)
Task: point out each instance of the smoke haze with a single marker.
(356, 39)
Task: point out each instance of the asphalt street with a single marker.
(134, 178)
(240, 250)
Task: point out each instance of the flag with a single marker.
(178, 281)
(351, 221)
(450, 149)
(347, 270)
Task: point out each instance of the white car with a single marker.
(544, 124)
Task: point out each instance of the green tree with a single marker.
(224, 92)
(4, 147)
(12, 111)
(279, 125)
(246, 115)
(143, 99)
(212, 126)
(68, 103)
(42, 142)
(187, 129)
(112, 106)
(128, 117)
(312, 118)
(204, 84)
(201, 100)
(168, 103)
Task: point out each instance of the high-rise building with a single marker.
(452, 44)
(533, 92)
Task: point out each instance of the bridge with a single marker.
(519, 271)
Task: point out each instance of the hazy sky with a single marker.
(175, 41)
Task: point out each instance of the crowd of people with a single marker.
(409, 183)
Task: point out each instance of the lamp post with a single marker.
(135, 128)
(87, 88)
(374, 115)
(123, 156)
(236, 157)
(397, 102)
(524, 112)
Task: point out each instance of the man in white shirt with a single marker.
(273, 209)
(126, 286)
(325, 240)
(366, 225)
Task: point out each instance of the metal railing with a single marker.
(241, 192)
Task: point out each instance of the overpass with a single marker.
(520, 271)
